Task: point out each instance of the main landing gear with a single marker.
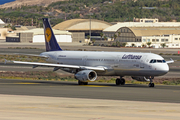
(82, 83)
(120, 81)
(151, 84)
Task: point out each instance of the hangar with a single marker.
(114, 28)
(135, 34)
(140, 33)
(83, 25)
(37, 36)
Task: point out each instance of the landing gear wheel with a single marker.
(85, 83)
(120, 81)
(82, 83)
(151, 85)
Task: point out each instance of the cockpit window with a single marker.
(157, 61)
(153, 61)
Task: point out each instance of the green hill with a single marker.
(107, 10)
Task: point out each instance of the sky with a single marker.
(5, 1)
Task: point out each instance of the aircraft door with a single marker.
(149, 66)
(143, 62)
(117, 60)
(84, 60)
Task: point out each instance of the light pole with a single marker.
(90, 25)
(90, 29)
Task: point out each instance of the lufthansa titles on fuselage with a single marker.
(131, 56)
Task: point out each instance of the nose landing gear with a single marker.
(151, 84)
(120, 81)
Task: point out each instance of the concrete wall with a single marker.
(26, 37)
(59, 38)
(78, 37)
(3, 33)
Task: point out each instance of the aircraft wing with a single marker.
(36, 64)
(33, 55)
(170, 61)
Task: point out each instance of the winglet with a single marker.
(170, 61)
(5, 61)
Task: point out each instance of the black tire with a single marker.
(118, 82)
(122, 81)
(85, 83)
(151, 85)
(82, 83)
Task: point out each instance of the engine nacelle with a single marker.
(86, 75)
(140, 78)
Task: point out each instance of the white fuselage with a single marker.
(116, 63)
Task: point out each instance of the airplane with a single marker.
(88, 65)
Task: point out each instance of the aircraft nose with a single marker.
(165, 68)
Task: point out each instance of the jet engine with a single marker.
(86, 75)
(140, 78)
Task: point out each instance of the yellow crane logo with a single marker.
(48, 34)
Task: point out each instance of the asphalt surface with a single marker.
(40, 47)
(93, 48)
(130, 92)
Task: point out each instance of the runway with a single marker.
(129, 92)
(7, 48)
(47, 100)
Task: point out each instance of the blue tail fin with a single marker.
(50, 40)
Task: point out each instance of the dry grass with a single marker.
(22, 58)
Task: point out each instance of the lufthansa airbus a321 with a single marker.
(87, 65)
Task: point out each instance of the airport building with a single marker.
(3, 33)
(171, 41)
(2, 24)
(23, 28)
(83, 25)
(139, 33)
(74, 30)
(37, 36)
